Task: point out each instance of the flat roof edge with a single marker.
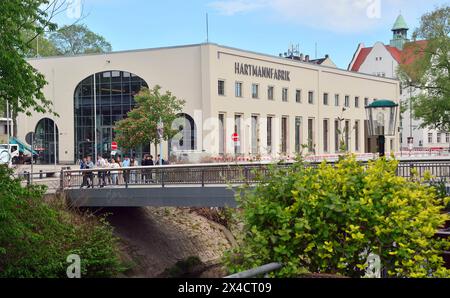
(119, 52)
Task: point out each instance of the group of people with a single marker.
(109, 175)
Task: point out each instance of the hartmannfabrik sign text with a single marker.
(261, 72)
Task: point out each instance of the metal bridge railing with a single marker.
(208, 174)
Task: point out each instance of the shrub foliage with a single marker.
(36, 237)
(330, 218)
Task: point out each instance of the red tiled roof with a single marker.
(412, 51)
(396, 53)
(360, 59)
(407, 56)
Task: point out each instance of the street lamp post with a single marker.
(382, 116)
(160, 130)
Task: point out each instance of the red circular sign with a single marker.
(114, 146)
(235, 137)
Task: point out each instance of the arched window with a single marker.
(115, 91)
(186, 138)
(47, 141)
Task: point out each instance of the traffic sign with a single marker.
(235, 137)
(113, 146)
(30, 138)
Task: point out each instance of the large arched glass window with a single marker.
(186, 137)
(115, 91)
(47, 141)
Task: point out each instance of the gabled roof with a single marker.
(407, 56)
(395, 53)
(363, 53)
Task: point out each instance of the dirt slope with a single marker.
(156, 238)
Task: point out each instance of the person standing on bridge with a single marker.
(126, 174)
(90, 175)
(114, 165)
(146, 174)
(134, 174)
(101, 165)
(120, 175)
(83, 166)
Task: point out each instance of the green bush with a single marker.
(36, 236)
(329, 219)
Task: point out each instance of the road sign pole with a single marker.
(32, 159)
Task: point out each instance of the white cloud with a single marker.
(334, 15)
(232, 7)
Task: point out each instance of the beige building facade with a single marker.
(274, 106)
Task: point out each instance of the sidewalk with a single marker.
(19, 169)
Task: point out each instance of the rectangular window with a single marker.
(311, 135)
(356, 102)
(222, 133)
(366, 101)
(430, 137)
(347, 101)
(298, 95)
(221, 87)
(311, 97)
(347, 135)
(325, 99)
(336, 100)
(269, 134)
(237, 129)
(337, 132)
(298, 140)
(438, 137)
(356, 136)
(284, 134)
(255, 133)
(270, 93)
(325, 135)
(238, 89)
(284, 94)
(255, 91)
(447, 137)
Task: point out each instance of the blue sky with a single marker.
(266, 26)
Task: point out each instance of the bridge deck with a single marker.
(157, 196)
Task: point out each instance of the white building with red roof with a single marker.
(383, 60)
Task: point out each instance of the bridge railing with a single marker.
(162, 175)
(204, 174)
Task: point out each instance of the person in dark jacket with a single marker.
(147, 173)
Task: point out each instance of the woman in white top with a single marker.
(114, 174)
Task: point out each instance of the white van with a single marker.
(8, 155)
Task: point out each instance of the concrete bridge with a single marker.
(200, 185)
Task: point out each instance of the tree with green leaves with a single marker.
(79, 39)
(20, 84)
(429, 70)
(140, 127)
(331, 218)
(41, 46)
